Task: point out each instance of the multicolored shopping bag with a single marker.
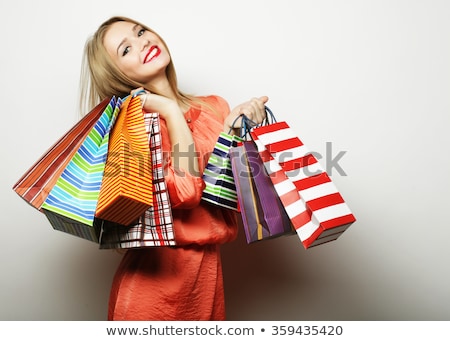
(317, 210)
(263, 215)
(155, 226)
(35, 185)
(218, 176)
(126, 191)
(71, 204)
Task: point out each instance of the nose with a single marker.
(145, 44)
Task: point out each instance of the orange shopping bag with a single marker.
(155, 226)
(126, 191)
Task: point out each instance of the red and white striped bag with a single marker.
(317, 210)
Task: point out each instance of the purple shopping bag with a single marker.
(263, 215)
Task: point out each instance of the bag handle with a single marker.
(137, 93)
(270, 117)
(248, 124)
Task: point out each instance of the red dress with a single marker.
(182, 282)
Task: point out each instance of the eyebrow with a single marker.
(135, 27)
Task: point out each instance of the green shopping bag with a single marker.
(218, 176)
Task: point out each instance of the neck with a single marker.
(161, 86)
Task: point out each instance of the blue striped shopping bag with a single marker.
(71, 204)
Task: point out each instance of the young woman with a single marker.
(182, 282)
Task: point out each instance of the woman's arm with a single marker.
(183, 153)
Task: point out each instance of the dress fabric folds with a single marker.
(169, 284)
(184, 282)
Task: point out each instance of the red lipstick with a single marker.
(152, 53)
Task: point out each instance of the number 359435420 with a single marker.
(307, 330)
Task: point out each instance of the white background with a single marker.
(371, 77)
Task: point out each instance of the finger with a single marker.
(143, 98)
(138, 91)
(256, 104)
(264, 99)
(258, 110)
(134, 91)
(259, 104)
(247, 111)
(262, 108)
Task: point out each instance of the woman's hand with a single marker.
(254, 109)
(166, 107)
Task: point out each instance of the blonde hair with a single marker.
(100, 78)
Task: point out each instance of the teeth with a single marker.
(152, 53)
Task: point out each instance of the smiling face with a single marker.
(138, 53)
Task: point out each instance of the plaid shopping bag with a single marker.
(218, 176)
(316, 208)
(71, 204)
(35, 185)
(155, 226)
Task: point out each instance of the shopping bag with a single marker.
(274, 216)
(219, 183)
(71, 204)
(155, 226)
(35, 185)
(263, 215)
(126, 191)
(317, 210)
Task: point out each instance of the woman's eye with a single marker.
(141, 32)
(125, 51)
